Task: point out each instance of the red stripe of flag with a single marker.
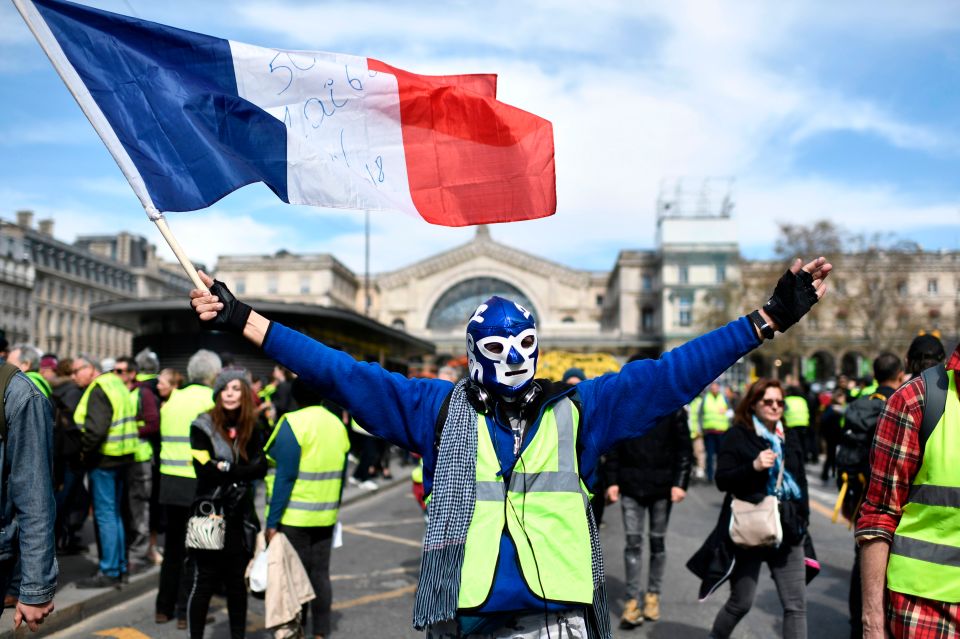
(471, 159)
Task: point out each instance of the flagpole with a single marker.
(185, 262)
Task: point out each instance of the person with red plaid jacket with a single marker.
(906, 488)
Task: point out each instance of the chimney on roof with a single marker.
(46, 227)
(25, 219)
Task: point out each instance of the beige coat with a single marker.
(288, 585)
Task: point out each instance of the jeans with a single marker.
(789, 574)
(658, 510)
(176, 573)
(568, 624)
(711, 440)
(106, 484)
(313, 547)
(139, 487)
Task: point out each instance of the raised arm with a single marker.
(400, 410)
(626, 404)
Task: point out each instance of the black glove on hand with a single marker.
(232, 317)
(793, 297)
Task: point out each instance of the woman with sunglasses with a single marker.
(748, 465)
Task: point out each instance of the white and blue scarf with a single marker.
(789, 489)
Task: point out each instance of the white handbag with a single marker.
(207, 530)
(757, 525)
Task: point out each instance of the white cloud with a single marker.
(636, 92)
(44, 132)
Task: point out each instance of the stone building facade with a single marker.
(17, 277)
(65, 281)
(651, 300)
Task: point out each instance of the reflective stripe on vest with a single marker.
(797, 412)
(543, 509)
(714, 409)
(121, 436)
(925, 554)
(175, 418)
(324, 444)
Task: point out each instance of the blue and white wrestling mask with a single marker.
(502, 346)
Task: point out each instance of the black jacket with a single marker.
(736, 475)
(714, 561)
(651, 465)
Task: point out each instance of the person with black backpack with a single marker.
(853, 458)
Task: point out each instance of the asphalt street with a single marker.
(374, 576)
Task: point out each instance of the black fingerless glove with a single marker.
(232, 317)
(793, 297)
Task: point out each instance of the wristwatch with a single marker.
(765, 329)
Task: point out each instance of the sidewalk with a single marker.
(72, 604)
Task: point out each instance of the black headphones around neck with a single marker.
(484, 402)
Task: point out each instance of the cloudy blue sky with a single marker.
(818, 109)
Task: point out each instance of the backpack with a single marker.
(860, 424)
(853, 451)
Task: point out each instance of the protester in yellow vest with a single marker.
(907, 529)
(178, 481)
(140, 472)
(713, 418)
(508, 458)
(796, 414)
(107, 419)
(307, 458)
(696, 434)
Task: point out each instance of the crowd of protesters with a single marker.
(109, 460)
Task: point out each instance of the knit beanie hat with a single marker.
(227, 375)
(574, 372)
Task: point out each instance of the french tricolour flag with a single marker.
(190, 118)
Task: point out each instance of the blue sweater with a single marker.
(614, 407)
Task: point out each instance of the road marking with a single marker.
(383, 596)
(395, 522)
(122, 633)
(382, 537)
(820, 508)
(375, 573)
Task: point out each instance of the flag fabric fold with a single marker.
(190, 118)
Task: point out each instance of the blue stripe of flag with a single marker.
(171, 97)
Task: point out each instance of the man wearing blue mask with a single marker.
(511, 548)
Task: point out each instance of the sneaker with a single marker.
(161, 618)
(353, 481)
(368, 485)
(99, 580)
(631, 617)
(699, 474)
(651, 606)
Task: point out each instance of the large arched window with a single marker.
(458, 303)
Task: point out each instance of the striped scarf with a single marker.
(451, 510)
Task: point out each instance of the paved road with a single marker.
(375, 574)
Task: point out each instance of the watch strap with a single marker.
(765, 329)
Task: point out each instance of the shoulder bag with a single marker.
(757, 525)
(206, 529)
